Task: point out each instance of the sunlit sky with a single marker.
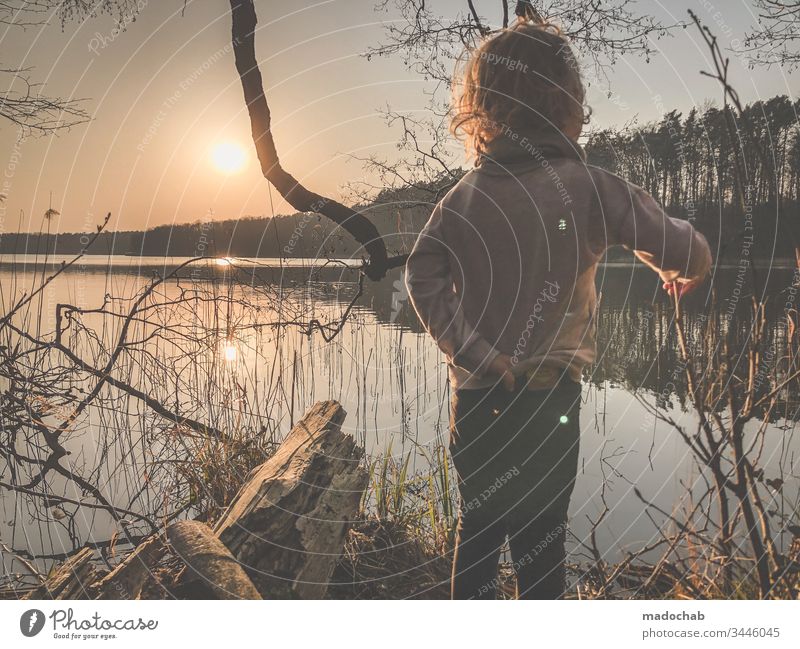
(169, 123)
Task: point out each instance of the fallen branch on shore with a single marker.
(281, 537)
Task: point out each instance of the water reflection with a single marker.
(230, 351)
(392, 382)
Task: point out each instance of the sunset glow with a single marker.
(345, 301)
(229, 351)
(228, 157)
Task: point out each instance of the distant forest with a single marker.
(687, 163)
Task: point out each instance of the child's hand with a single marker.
(501, 366)
(681, 288)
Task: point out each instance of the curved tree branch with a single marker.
(243, 32)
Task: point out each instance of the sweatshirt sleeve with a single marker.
(430, 286)
(633, 218)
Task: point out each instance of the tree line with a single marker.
(687, 162)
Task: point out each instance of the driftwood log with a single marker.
(210, 561)
(73, 579)
(281, 537)
(288, 523)
(79, 577)
(128, 579)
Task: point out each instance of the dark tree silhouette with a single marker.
(429, 43)
(776, 39)
(243, 27)
(22, 101)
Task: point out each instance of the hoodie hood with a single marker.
(529, 147)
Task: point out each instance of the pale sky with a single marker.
(164, 92)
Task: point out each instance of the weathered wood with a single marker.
(288, 522)
(281, 536)
(209, 560)
(71, 580)
(128, 579)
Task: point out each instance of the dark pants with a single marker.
(516, 455)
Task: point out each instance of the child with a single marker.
(503, 277)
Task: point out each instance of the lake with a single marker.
(213, 351)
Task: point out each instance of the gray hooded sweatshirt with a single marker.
(507, 260)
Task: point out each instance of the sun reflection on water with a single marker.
(230, 352)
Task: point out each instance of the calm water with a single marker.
(385, 371)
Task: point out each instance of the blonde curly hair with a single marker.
(522, 77)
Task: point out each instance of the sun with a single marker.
(228, 157)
